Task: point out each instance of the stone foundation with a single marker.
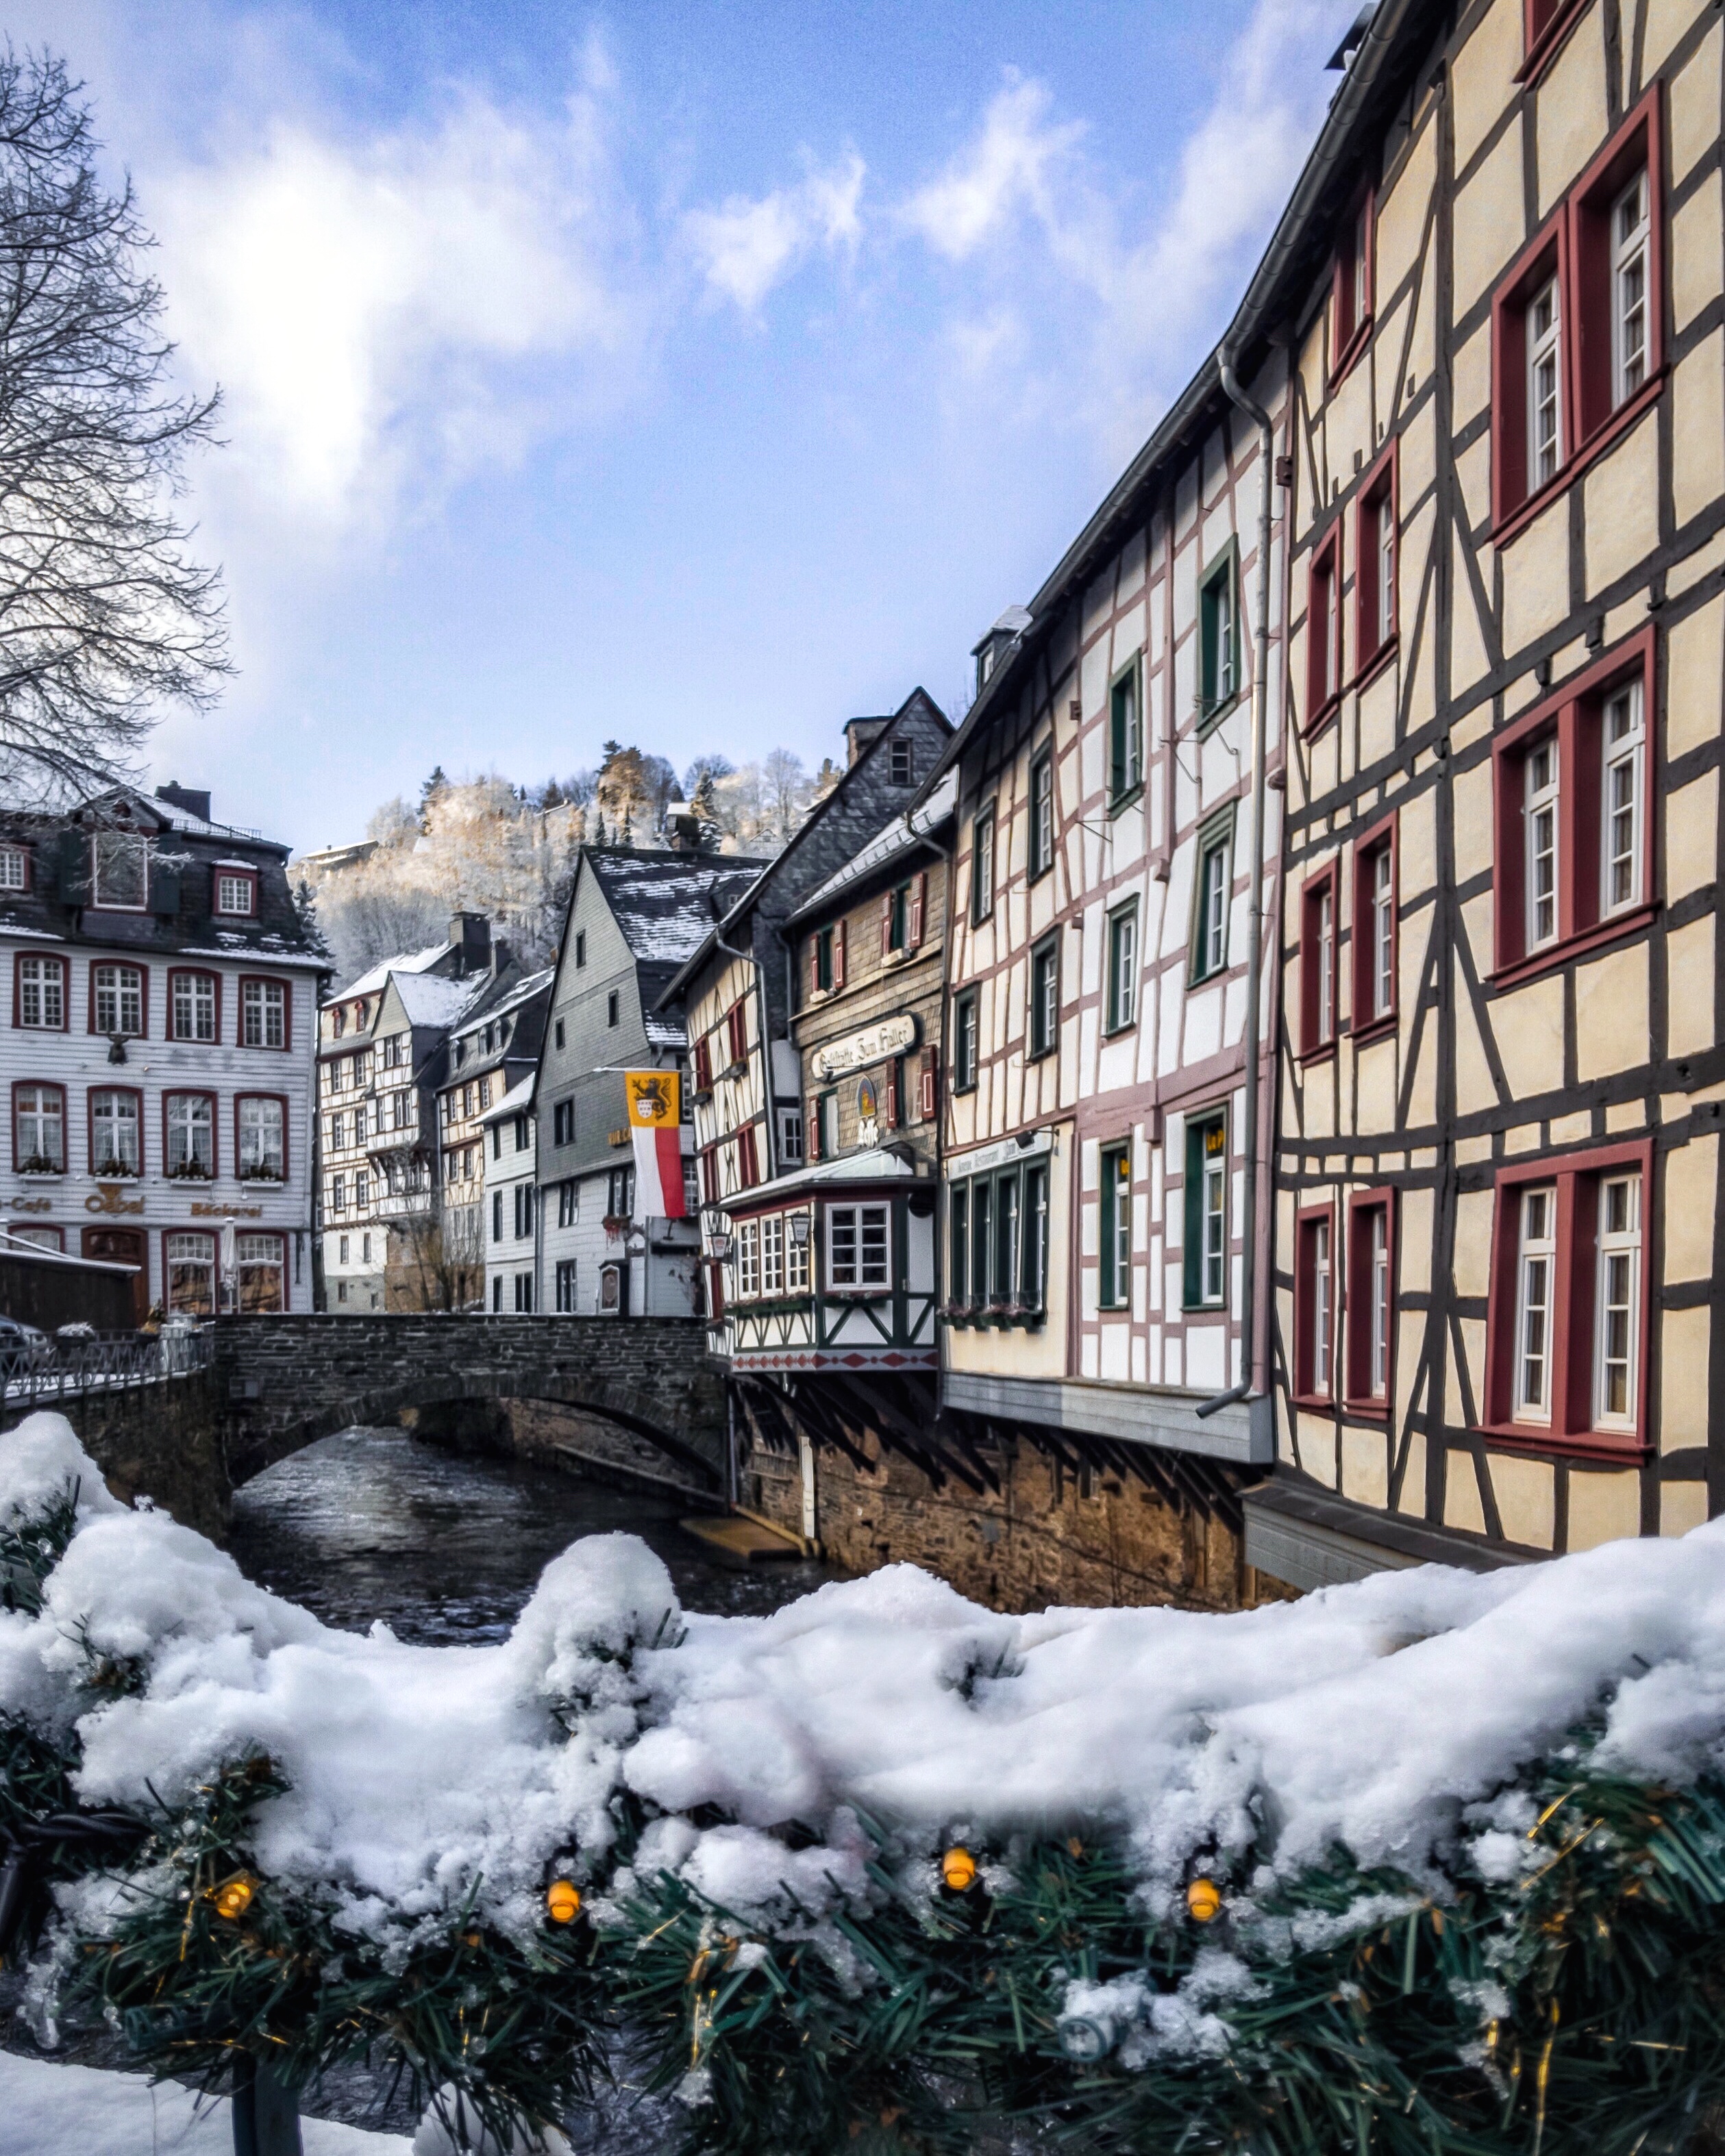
(554, 1436)
(1049, 1538)
(161, 1441)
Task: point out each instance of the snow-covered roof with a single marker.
(515, 1103)
(522, 992)
(409, 962)
(432, 999)
(874, 1164)
(902, 835)
(665, 904)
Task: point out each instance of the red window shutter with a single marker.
(839, 941)
(737, 1031)
(811, 1128)
(894, 1087)
(886, 923)
(709, 1178)
(929, 1073)
(919, 907)
(815, 964)
(703, 1065)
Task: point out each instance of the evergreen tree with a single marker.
(433, 790)
(703, 806)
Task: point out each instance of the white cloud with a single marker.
(1017, 161)
(394, 311)
(746, 247)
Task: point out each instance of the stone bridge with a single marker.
(269, 1385)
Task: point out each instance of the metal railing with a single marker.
(102, 1363)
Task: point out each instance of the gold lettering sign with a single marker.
(202, 1210)
(111, 1197)
(32, 1205)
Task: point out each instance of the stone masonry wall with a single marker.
(163, 1441)
(1048, 1538)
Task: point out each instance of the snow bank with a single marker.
(1373, 1715)
(48, 2110)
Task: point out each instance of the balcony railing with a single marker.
(108, 1362)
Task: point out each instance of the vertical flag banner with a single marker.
(655, 1120)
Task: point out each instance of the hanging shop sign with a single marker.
(887, 1036)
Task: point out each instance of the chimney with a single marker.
(472, 931)
(859, 733)
(499, 956)
(187, 798)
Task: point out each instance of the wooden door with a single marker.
(124, 1246)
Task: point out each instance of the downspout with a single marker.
(1255, 948)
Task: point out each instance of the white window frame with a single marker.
(1123, 967)
(1213, 1227)
(772, 1254)
(1542, 783)
(257, 1153)
(1545, 385)
(121, 1142)
(1323, 1305)
(190, 1116)
(235, 894)
(42, 990)
(796, 1261)
(123, 992)
(1385, 625)
(1383, 930)
(49, 1119)
(1630, 232)
(14, 868)
(195, 994)
(1326, 964)
(1214, 880)
(1536, 1301)
(1380, 1292)
(1618, 1300)
(1621, 791)
(1041, 812)
(748, 1261)
(859, 1248)
(265, 1001)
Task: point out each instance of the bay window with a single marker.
(858, 1248)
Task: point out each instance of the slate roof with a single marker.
(666, 905)
(409, 962)
(910, 832)
(432, 999)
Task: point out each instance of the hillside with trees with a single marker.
(486, 845)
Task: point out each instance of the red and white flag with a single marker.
(656, 1126)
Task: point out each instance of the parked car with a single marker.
(22, 1348)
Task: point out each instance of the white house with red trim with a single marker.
(159, 1050)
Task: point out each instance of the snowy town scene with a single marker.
(862, 1204)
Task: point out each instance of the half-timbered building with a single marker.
(1497, 1333)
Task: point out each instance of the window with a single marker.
(497, 1216)
(1576, 324)
(567, 1305)
(1205, 1206)
(1571, 863)
(338, 1203)
(858, 1248)
(497, 1294)
(263, 1274)
(1375, 565)
(1003, 1284)
(342, 1246)
(563, 1123)
(523, 1292)
(580, 946)
(192, 1006)
(190, 1119)
(748, 1261)
(619, 1193)
(820, 969)
(982, 865)
(1220, 635)
(1566, 1343)
(1210, 897)
(791, 1136)
(964, 1043)
(958, 1245)
(736, 1023)
(1114, 1287)
(614, 1007)
(1374, 927)
(900, 767)
(115, 1132)
(1122, 993)
(523, 1211)
(524, 1133)
(359, 1122)
(796, 1257)
(236, 892)
(895, 921)
(822, 1126)
(263, 1014)
(1045, 996)
(1317, 962)
(1351, 298)
(116, 994)
(568, 1203)
(1040, 852)
(361, 1198)
(119, 870)
(772, 1255)
(1323, 630)
(14, 868)
(1033, 1275)
(41, 994)
(1313, 1305)
(192, 1274)
(982, 1238)
(1371, 1300)
(748, 1158)
(928, 1079)
(38, 1118)
(485, 1095)
(1125, 738)
(262, 1140)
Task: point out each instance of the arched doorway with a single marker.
(124, 1246)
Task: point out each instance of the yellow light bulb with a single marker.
(562, 1901)
(234, 1897)
(1203, 1900)
(958, 1868)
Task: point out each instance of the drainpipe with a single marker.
(1255, 948)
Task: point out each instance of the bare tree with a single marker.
(103, 614)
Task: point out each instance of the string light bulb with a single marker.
(234, 1897)
(958, 1868)
(562, 1901)
(1203, 1901)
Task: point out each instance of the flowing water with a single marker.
(446, 1547)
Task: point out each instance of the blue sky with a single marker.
(697, 375)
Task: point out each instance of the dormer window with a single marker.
(120, 872)
(902, 772)
(236, 893)
(14, 868)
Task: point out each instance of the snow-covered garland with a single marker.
(1432, 1863)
